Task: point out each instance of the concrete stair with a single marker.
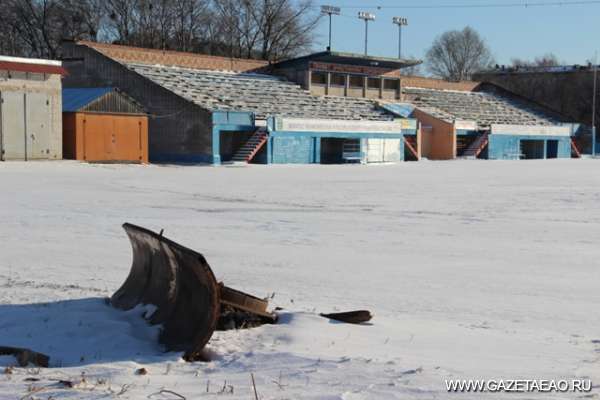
(249, 150)
(411, 144)
(575, 152)
(476, 147)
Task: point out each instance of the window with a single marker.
(33, 76)
(391, 84)
(319, 78)
(356, 81)
(338, 80)
(17, 75)
(374, 83)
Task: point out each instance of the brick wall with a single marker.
(431, 83)
(175, 58)
(568, 93)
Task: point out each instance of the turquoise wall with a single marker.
(294, 150)
(507, 147)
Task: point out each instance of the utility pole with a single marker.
(594, 105)
(330, 10)
(400, 21)
(367, 16)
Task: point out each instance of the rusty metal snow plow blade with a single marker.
(179, 282)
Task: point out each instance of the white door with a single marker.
(391, 150)
(375, 150)
(13, 126)
(37, 110)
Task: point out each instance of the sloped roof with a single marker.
(103, 99)
(265, 95)
(75, 99)
(484, 108)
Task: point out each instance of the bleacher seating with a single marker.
(265, 95)
(485, 108)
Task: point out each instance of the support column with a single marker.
(347, 85)
(381, 85)
(308, 82)
(365, 85)
(328, 85)
(216, 145)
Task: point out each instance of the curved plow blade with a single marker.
(179, 282)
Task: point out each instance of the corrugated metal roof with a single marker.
(74, 100)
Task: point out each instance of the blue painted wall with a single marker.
(232, 121)
(293, 150)
(507, 147)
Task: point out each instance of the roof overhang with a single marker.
(32, 65)
(335, 57)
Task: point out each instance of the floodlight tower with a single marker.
(594, 105)
(400, 21)
(330, 10)
(367, 16)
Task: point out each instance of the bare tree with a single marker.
(286, 27)
(267, 29)
(191, 23)
(412, 70)
(121, 14)
(456, 55)
(547, 60)
(36, 27)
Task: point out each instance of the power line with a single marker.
(526, 4)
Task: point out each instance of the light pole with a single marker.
(400, 21)
(367, 16)
(594, 106)
(330, 10)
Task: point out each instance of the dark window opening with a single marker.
(552, 149)
(532, 149)
(339, 150)
(391, 84)
(356, 81)
(338, 80)
(374, 83)
(319, 78)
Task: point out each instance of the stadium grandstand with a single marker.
(326, 107)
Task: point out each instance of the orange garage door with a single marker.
(114, 138)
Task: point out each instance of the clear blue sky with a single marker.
(571, 32)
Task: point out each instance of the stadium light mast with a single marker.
(400, 21)
(594, 95)
(367, 16)
(330, 10)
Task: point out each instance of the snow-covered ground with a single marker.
(473, 269)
